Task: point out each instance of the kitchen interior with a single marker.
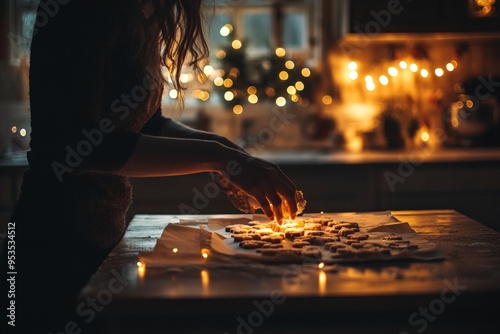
(368, 106)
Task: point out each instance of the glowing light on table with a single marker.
(175, 250)
(352, 66)
(205, 279)
(403, 65)
(141, 270)
(322, 282)
(353, 75)
(205, 253)
(424, 73)
(414, 68)
(370, 86)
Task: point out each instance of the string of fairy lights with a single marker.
(289, 85)
(390, 73)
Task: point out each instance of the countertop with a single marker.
(300, 157)
(353, 298)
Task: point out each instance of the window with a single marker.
(264, 25)
(22, 21)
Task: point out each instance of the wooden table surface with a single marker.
(460, 294)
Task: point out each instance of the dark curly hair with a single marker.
(179, 36)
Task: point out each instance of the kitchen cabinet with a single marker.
(422, 16)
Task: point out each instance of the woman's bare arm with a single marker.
(165, 156)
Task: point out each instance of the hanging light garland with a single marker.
(393, 71)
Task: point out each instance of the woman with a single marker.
(95, 93)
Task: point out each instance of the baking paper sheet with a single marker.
(184, 243)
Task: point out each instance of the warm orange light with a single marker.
(291, 90)
(327, 100)
(424, 73)
(226, 30)
(218, 81)
(370, 86)
(229, 96)
(306, 72)
(252, 90)
(221, 54)
(352, 66)
(228, 83)
(383, 80)
(353, 75)
(175, 250)
(205, 253)
(237, 109)
(270, 91)
(14, 129)
(439, 72)
(321, 265)
(236, 44)
(284, 75)
(300, 86)
(290, 65)
(253, 99)
(392, 71)
(280, 52)
(403, 65)
(425, 136)
(414, 68)
(281, 101)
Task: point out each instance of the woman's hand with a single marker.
(265, 182)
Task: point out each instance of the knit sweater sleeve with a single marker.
(73, 128)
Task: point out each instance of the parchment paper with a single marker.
(191, 239)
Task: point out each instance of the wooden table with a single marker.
(460, 294)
